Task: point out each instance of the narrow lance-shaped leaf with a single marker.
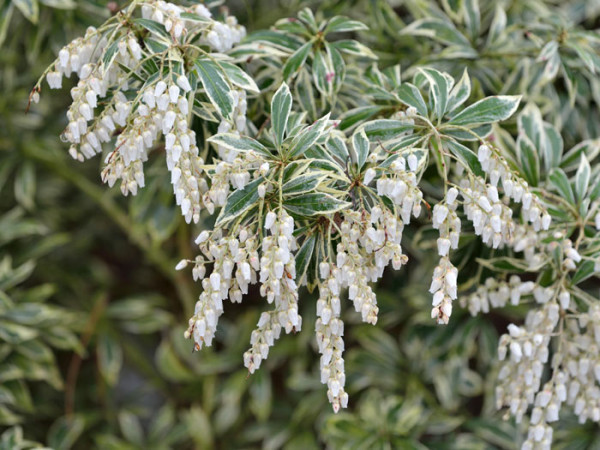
(528, 156)
(308, 137)
(487, 110)
(582, 178)
(341, 24)
(315, 204)
(438, 29)
(216, 87)
(560, 181)
(439, 88)
(303, 257)
(460, 92)
(281, 105)
(238, 77)
(466, 155)
(294, 62)
(239, 143)
(361, 146)
(410, 95)
(29, 8)
(239, 202)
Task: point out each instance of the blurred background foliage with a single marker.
(92, 353)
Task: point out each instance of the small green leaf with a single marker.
(216, 87)
(590, 148)
(460, 92)
(584, 271)
(308, 137)
(410, 95)
(582, 178)
(528, 156)
(440, 30)
(238, 77)
(559, 180)
(385, 129)
(466, 155)
(110, 357)
(65, 431)
(154, 27)
(303, 183)
(281, 105)
(239, 143)
(337, 147)
(303, 257)
(194, 17)
(361, 147)
(296, 60)
(29, 8)
(342, 24)
(439, 90)
(239, 202)
(353, 116)
(354, 48)
(314, 204)
(487, 110)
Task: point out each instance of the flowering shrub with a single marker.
(315, 161)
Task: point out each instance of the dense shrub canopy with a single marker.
(347, 172)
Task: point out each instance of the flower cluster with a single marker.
(515, 188)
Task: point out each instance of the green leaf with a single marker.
(498, 24)
(303, 183)
(281, 105)
(472, 17)
(307, 16)
(29, 8)
(25, 183)
(487, 110)
(337, 147)
(65, 431)
(216, 87)
(315, 204)
(322, 72)
(559, 180)
(439, 89)
(238, 77)
(110, 357)
(356, 115)
(528, 156)
(240, 143)
(460, 92)
(278, 39)
(296, 60)
(590, 148)
(131, 428)
(466, 155)
(154, 28)
(16, 334)
(303, 257)
(361, 147)
(239, 202)
(410, 95)
(194, 17)
(385, 129)
(440, 30)
(582, 178)
(354, 48)
(308, 137)
(342, 24)
(109, 55)
(584, 271)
